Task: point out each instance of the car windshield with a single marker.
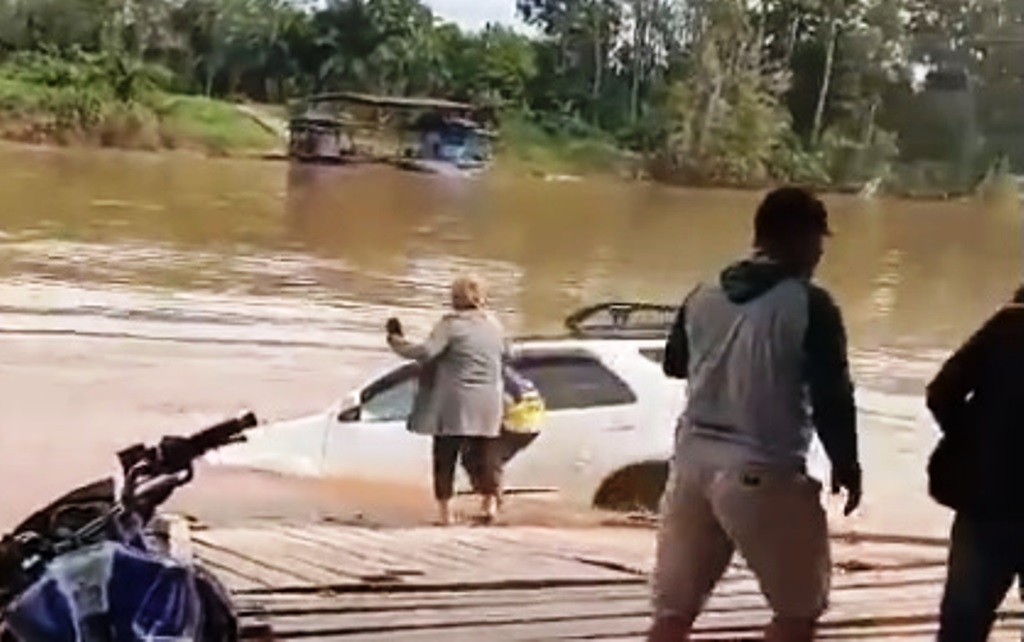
(390, 398)
(392, 404)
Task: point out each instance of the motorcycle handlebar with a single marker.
(174, 454)
(219, 435)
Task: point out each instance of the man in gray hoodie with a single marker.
(756, 345)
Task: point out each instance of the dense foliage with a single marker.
(709, 91)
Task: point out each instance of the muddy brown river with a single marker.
(143, 293)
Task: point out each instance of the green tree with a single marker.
(495, 65)
(581, 36)
(719, 90)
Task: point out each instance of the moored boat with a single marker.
(448, 145)
(320, 139)
(446, 138)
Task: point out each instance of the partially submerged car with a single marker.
(607, 438)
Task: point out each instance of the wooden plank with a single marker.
(359, 562)
(405, 556)
(859, 604)
(471, 583)
(460, 551)
(299, 558)
(636, 548)
(396, 605)
(233, 580)
(598, 620)
(738, 580)
(741, 584)
(922, 632)
(313, 556)
(380, 550)
(408, 556)
(555, 604)
(548, 614)
(527, 553)
(903, 634)
(870, 550)
(242, 563)
(239, 573)
(263, 551)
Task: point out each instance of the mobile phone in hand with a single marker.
(394, 326)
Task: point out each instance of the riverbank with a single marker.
(93, 102)
(527, 147)
(37, 107)
(38, 113)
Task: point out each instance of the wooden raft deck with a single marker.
(329, 582)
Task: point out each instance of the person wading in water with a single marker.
(520, 425)
(459, 398)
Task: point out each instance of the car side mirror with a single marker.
(349, 408)
(349, 415)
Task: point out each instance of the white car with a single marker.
(607, 438)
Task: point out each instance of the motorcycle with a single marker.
(92, 566)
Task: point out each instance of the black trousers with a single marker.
(985, 558)
(481, 458)
(513, 442)
(508, 445)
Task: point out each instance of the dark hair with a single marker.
(1018, 296)
(787, 212)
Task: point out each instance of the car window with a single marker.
(576, 380)
(657, 355)
(390, 397)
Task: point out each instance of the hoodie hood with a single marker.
(748, 279)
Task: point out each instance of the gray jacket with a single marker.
(460, 386)
(756, 347)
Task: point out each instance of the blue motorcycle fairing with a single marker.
(134, 594)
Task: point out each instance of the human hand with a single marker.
(393, 327)
(848, 479)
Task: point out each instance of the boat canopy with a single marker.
(394, 102)
(318, 122)
(433, 121)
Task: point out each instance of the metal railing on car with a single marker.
(622, 320)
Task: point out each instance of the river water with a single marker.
(142, 293)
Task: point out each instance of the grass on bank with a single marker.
(110, 100)
(529, 144)
(213, 125)
(90, 114)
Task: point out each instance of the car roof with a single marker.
(600, 346)
(610, 330)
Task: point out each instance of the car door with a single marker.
(587, 405)
(370, 440)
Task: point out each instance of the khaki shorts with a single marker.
(775, 519)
